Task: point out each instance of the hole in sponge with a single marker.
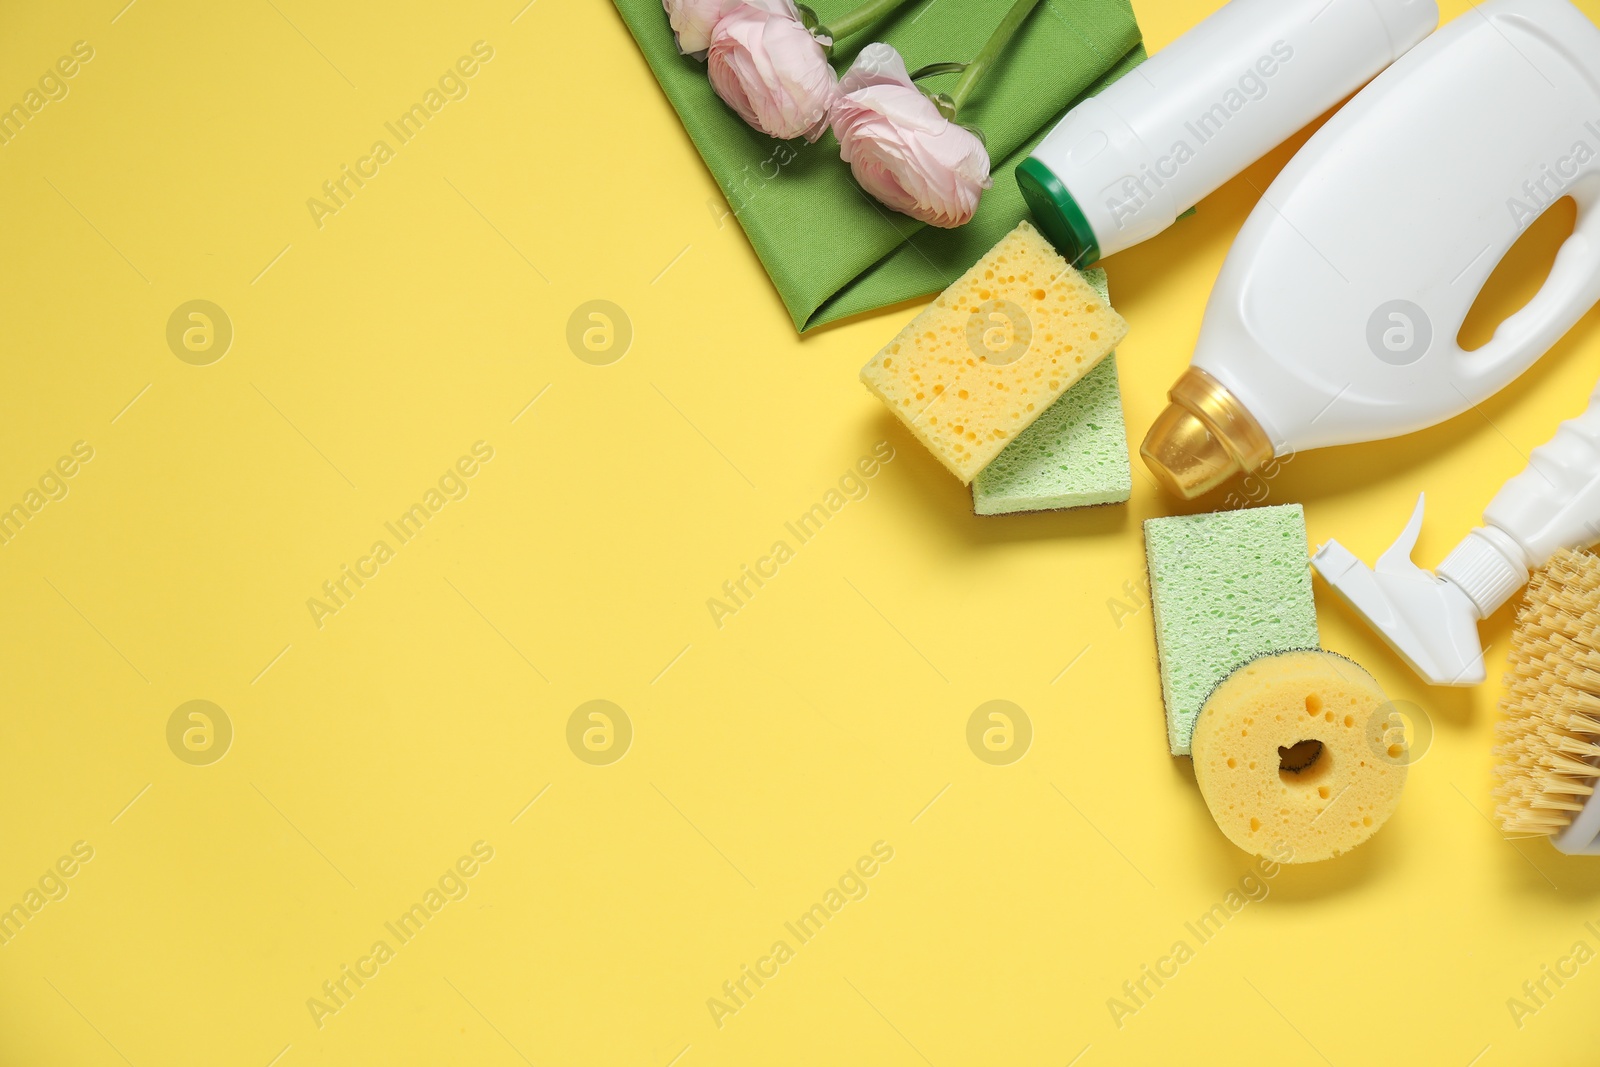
(1303, 762)
(1313, 705)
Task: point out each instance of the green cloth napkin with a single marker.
(831, 250)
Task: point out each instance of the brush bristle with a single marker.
(1548, 755)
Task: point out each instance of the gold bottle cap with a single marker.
(1203, 438)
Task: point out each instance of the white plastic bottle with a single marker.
(1121, 166)
(1336, 315)
(1431, 619)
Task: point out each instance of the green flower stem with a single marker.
(991, 51)
(860, 18)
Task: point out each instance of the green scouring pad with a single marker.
(1074, 455)
(1224, 588)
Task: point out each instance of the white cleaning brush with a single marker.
(1548, 755)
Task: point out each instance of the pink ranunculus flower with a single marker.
(773, 71)
(900, 148)
(692, 21)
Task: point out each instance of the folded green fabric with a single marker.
(831, 250)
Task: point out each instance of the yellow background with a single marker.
(767, 756)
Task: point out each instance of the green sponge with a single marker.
(1225, 588)
(1074, 455)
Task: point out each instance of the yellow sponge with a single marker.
(1298, 749)
(994, 351)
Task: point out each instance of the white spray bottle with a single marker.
(1336, 315)
(1431, 619)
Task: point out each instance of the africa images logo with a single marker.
(1553, 179)
(1126, 197)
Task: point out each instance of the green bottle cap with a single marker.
(1057, 213)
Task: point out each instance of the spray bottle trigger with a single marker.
(1428, 621)
(1396, 559)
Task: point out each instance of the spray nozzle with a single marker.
(1428, 620)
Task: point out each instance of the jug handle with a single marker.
(1571, 289)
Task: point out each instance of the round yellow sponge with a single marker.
(1297, 749)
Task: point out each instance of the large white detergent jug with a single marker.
(1336, 314)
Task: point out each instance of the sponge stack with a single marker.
(1074, 455)
(1225, 588)
(994, 351)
